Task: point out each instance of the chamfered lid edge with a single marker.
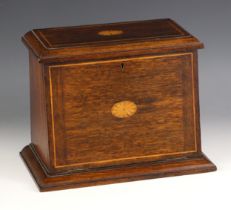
(73, 41)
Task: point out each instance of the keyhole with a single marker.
(122, 66)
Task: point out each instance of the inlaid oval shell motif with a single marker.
(124, 109)
(110, 32)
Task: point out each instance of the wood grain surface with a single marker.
(84, 94)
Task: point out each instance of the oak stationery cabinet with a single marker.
(112, 103)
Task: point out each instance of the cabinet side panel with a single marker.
(39, 134)
(197, 103)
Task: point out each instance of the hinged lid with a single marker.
(65, 43)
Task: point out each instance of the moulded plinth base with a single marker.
(170, 167)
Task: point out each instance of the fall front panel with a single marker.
(122, 111)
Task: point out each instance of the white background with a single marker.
(209, 20)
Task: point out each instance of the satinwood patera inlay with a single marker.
(110, 32)
(124, 109)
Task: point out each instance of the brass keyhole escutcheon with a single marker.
(124, 109)
(122, 66)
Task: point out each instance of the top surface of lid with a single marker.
(102, 33)
(103, 40)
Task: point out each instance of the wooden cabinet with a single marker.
(113, 102)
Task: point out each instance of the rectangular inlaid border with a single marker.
(53, 140)
(38, 33)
